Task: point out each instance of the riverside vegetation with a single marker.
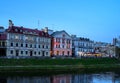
(58, 64)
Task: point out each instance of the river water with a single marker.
(104, 77)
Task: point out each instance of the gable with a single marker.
(61, 34)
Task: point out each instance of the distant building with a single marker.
(82, 46)
(104, 49)
(61, 44)
(116, 43)
(20, 41)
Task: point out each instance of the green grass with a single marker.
(58, 64)
(87, 61)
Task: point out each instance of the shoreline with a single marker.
(58, 65)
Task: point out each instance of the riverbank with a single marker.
(60, 65)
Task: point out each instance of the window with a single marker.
(68, 53)
(21, 45)
(35, 53)
(58, 40)
(63, 40)
(20, 30)
(16, 44)
(39, 53)
(62, 46)
(68, 41)
(3, 43)
(11, 44)
(46, 53)
(26, 45)
(46, 46)
(35, 46)
(26, 52)
(58, 46)
(16, 30)
(43, 46)
(30, 45)
(11, 52)
(39, 46)
(21, 52)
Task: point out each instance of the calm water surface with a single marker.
(105, 77)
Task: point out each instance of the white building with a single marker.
(105, 49)
(27, 42)
(82, 46)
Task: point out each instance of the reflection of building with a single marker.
(3, 79)
(61, 44)
(28, 80)
(82, 78)
(26, 42)
(82, 46)
(61, 79)
(104, 77)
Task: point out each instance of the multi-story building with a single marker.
(116, 43)
(61, 44)
(82, 46)
(104, 49)
(27, 42)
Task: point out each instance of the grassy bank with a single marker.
(44, 65)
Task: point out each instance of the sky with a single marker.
(98, 20)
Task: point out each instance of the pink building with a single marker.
(61, 44)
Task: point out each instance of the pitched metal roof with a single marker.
(23, 30)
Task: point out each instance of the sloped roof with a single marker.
(23, 30)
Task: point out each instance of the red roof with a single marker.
(22, 30)
(3, 36)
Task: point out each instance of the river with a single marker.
(101, 77)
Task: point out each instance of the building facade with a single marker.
(61, 44)
(116, 43)
(82, 46)
(26, 42)
(104, 49)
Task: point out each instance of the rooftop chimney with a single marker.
(10, 23)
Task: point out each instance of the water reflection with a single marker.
(109, 77)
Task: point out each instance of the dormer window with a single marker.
(20, 30)
(63, 35)
(42, 34)
(16, 30)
